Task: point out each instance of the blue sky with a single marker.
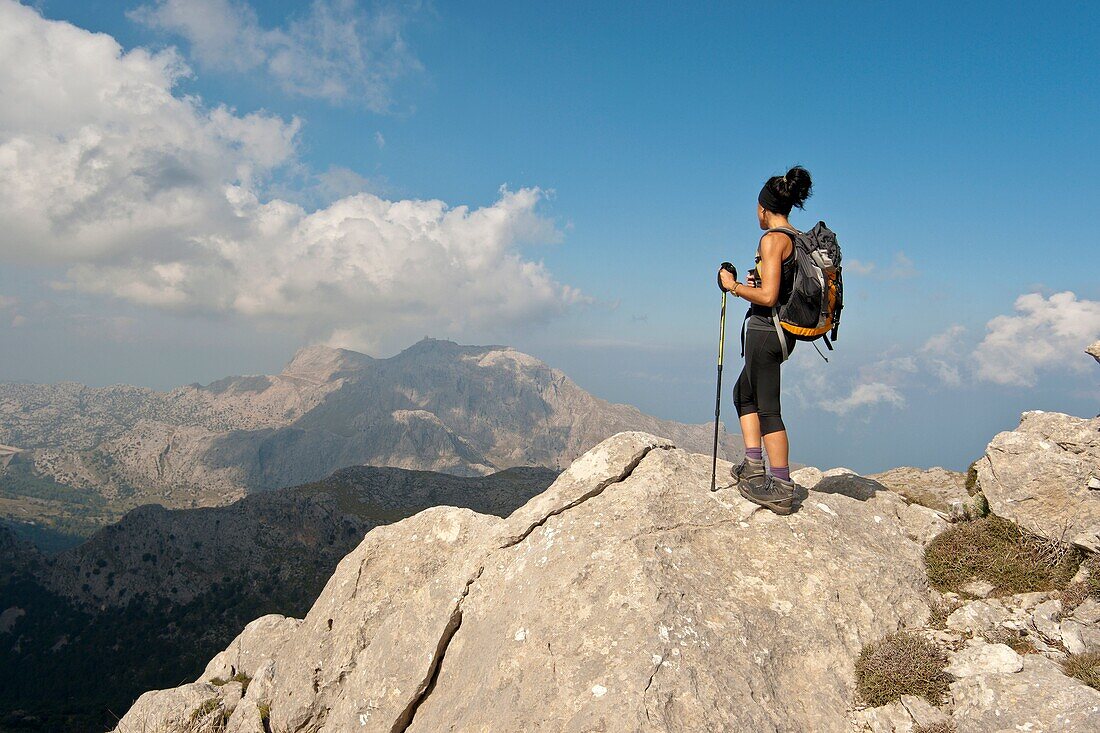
(952, 145)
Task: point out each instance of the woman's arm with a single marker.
(772, 246)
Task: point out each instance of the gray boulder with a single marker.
(1039, 697)
(1093, 350)
(1038, 476)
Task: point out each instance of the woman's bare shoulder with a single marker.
(772, 242)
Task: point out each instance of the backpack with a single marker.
(812, 310)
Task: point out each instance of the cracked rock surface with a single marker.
(626, 597)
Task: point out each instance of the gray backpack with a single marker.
(812, 310)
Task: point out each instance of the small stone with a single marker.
(978, 615)
(924, 714)
(978, 657)
(978, 588)
(807, 477)
(1045, 618)
(1088, 612)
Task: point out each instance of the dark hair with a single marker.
(782, 193)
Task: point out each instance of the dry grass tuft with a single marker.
(939, 610)
(945, 727)
(998, 551)
(1085, 667)
(901, 664)
(1011, 638)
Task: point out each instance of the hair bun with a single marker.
(795, 186)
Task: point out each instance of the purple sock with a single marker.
(756, 454)
(782, 472)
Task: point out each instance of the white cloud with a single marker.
(1046, 333)
(335, 51)
(859, 267)
(942, 355)
(900, 268)
(153, 198)
(864, 395)
(98, 157)
(379, 140)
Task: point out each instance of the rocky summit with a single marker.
(625, 597)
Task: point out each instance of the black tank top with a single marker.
(760, 316)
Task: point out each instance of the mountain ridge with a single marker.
(183, 581)
(437, 405)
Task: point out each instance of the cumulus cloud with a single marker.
(336, 51)
(152, 197)
(1045, 333)
(875, 383)
(98, 157)
(864, 395)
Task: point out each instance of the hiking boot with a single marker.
(747, 472)
(771, 493)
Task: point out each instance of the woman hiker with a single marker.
(756, 395)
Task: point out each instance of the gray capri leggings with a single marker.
(757, 389)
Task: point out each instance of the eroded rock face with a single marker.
(1038, 476)
(935, 488)
(626, 597)
(252, 649)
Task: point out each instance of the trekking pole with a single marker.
(718, 396)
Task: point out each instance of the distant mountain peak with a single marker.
(320, 362)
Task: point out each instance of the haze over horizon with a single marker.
(192, 190)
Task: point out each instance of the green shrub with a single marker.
(901, 664)
(998, 551)
(972, 478)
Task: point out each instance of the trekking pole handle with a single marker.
(728, 267)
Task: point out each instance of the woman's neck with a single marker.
(777, 221)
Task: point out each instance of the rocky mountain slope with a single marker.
(628, 597)
(466, 410)
(146, 601)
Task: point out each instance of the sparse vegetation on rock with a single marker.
(1085, 667)
(999, 552)
(902, 663)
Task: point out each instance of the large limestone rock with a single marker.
(1038, 697)
(1039, 476)
(627, 597)
(193, 708)
(252, 648)
(1093, 350)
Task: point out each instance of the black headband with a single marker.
(770, 201)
